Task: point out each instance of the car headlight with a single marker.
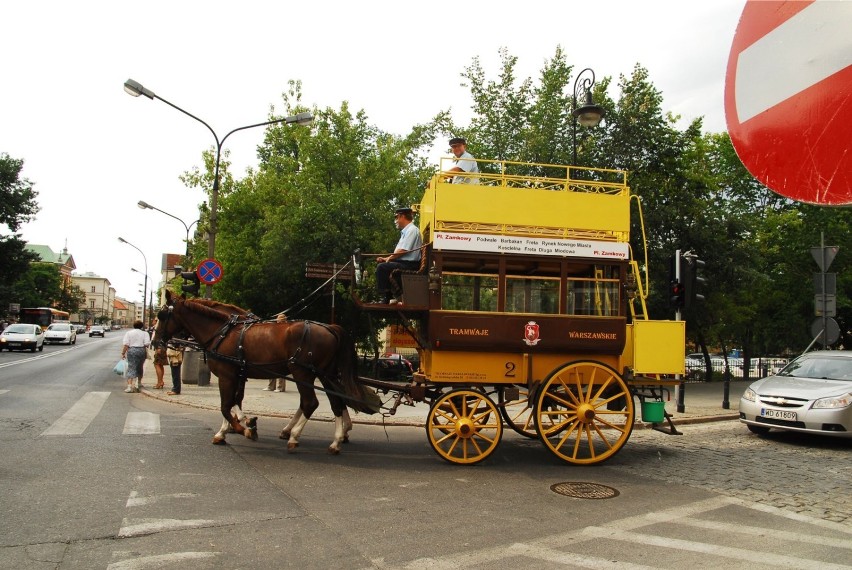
(749, 395)
(833, 402)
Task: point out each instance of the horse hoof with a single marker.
(291, 447)
(333, 450)
(250, 434)
(346, 439)
(219, 441)
(284, 435)
(252, 422)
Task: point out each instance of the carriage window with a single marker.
(593, 297)
(532, 295)
(468, 292)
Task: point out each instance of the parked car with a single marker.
(21, 336)
(812, 394)
(97, 330)
(61, 332)
(394, 367)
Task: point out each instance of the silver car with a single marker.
(61, 332)
(812, 394)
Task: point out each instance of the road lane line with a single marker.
(77, 419)
(141, 423)
(135, 500)
(157, 561)
(716, 550)
(141, 527)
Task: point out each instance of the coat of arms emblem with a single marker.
(531, 331)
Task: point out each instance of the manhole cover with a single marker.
(584, 490)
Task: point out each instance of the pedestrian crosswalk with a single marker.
(79, 416)
(83, 412)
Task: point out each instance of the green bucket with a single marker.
(653, 412)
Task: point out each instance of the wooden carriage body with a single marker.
(530, 291)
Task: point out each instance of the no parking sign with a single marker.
(209, 271)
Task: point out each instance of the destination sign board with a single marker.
(531, 246)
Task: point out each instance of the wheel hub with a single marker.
(465, 428)
(586, 413)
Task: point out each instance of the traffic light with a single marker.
(676, 299)
(194, 284)
(692, 280)
(676, 291)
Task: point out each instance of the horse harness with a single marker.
(247, 321)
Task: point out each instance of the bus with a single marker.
(44, 316)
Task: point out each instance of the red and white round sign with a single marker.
(788, 97)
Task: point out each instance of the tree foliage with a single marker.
(320, 192)
(17, 205)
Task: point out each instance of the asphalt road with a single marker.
(95, 478)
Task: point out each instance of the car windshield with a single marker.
(827, 368)
(21, 329)
(59, 328)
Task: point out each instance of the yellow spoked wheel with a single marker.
(584, 412)
(464, 426)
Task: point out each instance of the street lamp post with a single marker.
(589, 115)
(145, 291)
(146, 206)
(136, 89)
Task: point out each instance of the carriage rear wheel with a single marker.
(584, 412)
(464, 426)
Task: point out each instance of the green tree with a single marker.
(39, 286)
(17, 205)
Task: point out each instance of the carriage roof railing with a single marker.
(542, 176)
(530, 200)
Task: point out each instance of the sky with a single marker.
(92, 151)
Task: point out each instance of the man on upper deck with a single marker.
(463, 161)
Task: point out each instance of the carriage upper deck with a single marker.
(523, 202)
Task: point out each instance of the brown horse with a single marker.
(240, 346)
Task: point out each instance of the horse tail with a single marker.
(362, 398)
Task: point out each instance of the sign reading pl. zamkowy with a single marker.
(531, 246)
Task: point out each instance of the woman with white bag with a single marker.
(134, 349)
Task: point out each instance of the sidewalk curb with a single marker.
(387, 419)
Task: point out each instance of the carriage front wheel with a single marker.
(584, 412)
(464, 426)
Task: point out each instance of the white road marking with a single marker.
(77, 419)
(158, 561)
(140, 527)
(809, 47)
(137, 501)
(741, 554)
(627, 530)
(141, 423)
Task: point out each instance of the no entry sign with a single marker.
(788, 97)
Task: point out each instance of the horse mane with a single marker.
(214, 308)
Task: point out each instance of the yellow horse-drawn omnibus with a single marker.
(530, 306)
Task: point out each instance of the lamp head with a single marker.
(122, 240)
(135, 89)
(144, 205)
(303, 119)
(589, 115)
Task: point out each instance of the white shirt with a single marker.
(136, 338)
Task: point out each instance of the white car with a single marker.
(20, 336)
(812, 394)
(61, 332)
